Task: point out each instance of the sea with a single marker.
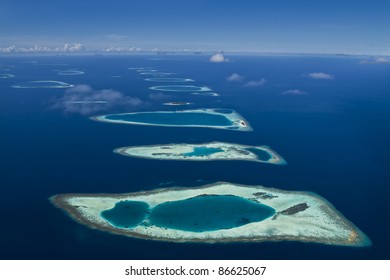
(328, 116)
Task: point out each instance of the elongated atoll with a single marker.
(211, 118)
(204, 152)
(220, 212)
(169, 80)
(43, 84)
(181, 88)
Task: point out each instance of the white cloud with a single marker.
(83, 99)
(219, 57)
(294, 92)
(255, 83)
(235, 78)
(320, 76)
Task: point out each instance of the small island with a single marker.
(177, 103)
(210, 118)
(220, 212)
(204, 152)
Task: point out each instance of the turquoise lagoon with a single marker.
(126, 214)
(196, 214)
(203, 151)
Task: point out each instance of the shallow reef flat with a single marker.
(220, 212)
(204, 152)
(211, 118)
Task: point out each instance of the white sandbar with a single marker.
(318, 221)
(228, 151)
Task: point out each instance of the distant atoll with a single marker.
(43, 84)
(181, 88)
(204, 152)
(177, 103)
(211, 118)
(220, 212)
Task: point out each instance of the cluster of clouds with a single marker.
(85, 100)
(320, 76)
(294, 92)
(235, 77)
(75, 47)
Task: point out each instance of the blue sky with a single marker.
(331, 26)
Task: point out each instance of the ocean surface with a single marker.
(334, 134)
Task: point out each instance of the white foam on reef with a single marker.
(6, 76)
(181, 88)
(43, 84)
(299, 216)
(238, 123)
(70, 72)
(228, 151)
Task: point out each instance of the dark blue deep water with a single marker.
(335, 139)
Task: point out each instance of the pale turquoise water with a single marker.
(203, 151)
(126, 214)
(209, 213)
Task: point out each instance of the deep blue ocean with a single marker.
(334, 135)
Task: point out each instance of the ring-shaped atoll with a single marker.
(204, 152)
(220, 212)
(43, 84)
(169, 80)
(210, 118)
(70, 72)
(181, 88)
